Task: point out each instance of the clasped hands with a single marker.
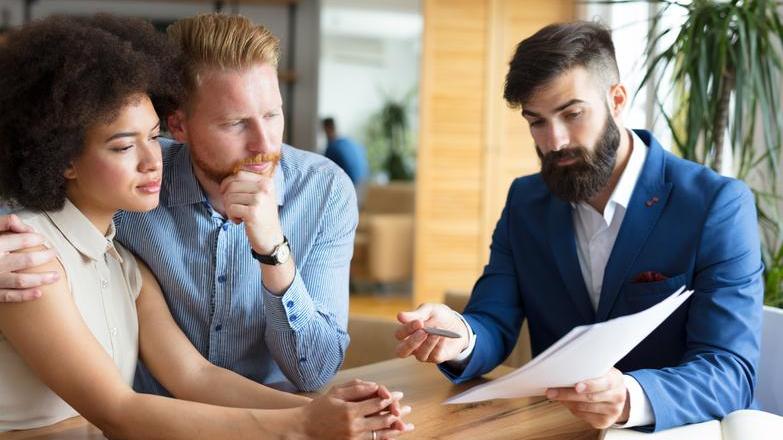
(357, 410)
(601, 402)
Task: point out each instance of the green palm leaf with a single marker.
(725, 65)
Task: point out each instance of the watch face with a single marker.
(283, 254)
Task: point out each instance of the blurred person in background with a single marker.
(347, 154)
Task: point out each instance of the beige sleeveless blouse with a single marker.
(104, 281)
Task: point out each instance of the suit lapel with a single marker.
(644, 209)
(563, 242)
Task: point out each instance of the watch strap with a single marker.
(270, 259)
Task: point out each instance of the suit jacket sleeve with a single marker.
(495, 310)
(717, 374)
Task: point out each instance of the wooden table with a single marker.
(425, 389)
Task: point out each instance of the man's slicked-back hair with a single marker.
(556, 49)
(221, 41)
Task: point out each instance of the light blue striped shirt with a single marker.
(213, 286)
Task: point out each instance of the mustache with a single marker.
(576, 152)
(258, 159)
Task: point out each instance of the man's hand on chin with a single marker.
(601, 402)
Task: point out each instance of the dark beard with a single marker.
(586, 177)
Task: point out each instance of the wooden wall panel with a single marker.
(510, 148)
(471, 145)
(448, 187)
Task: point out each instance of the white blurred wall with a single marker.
(370, 49)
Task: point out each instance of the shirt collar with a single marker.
(182, 187)
(180, 184)
(624, 190)
(621, 196)
(82, 234)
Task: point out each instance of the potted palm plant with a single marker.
(724, 62)
(389, 139)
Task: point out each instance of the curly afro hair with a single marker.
(61, 75)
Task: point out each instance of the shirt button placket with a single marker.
(222, 286)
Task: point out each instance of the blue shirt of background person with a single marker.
(346, 153)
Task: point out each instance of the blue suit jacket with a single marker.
(701, 362)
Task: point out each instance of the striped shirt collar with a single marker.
(183, 188)
(82, 234)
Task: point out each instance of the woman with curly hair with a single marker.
(78, 142)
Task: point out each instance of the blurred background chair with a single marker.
(383, 250)
(769, 390)
(372, 340)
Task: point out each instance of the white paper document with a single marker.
(586, 352)
(743, 424)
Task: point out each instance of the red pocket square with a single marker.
(649, 277)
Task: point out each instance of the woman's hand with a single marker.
(356, 410)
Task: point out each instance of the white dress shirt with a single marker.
(595, 237)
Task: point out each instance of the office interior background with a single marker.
(437, 67)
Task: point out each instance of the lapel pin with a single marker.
(651, 202)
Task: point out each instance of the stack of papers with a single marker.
(586, 352)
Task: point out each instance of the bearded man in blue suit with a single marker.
(610, 226)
